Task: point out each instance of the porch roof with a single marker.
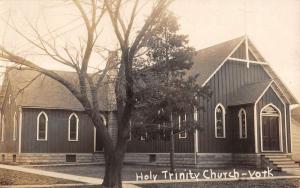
(249, 93)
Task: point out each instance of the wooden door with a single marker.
(270, 132)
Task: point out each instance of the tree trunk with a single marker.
(113, 155)
(113, 170)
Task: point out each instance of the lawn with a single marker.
(10, 177)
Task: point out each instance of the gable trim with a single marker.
(279, 87)
(217, 69)
(255, 117)
(285, 124)
(20, 128)
(262, 94)
(253, 53)
(246, 61)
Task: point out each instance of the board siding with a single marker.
(288, 125)
(8, 110)
(295, 139)
(242, 145)
(271, 97)
(233, 75)
(57, 141)
(225, 83)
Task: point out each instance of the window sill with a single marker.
(73, 140)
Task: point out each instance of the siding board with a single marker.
(271, 97)
(57, 141)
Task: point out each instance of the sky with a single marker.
(272, 25)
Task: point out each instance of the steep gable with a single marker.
(209, 60)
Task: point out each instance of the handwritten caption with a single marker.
(204, 174)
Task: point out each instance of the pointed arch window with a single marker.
(243, 123)
(182, 122)
(220, 121)
(42, 126)
(73, 127)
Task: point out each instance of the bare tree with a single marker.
(130, 41)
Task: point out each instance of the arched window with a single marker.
(15, 127)
(220, 121)
(73, 127)
(42, 126)
(270, 110)
(243, 123)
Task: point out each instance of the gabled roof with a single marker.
(209, 60)
(42, 91)
(249, 93)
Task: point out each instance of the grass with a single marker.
(11, 177)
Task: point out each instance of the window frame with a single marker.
(223, 121)
(15, 127)
(77, 128)
(240, 123)
(9, 99)
(195, 114)
(38, 126)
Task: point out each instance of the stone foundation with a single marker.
(51, 158)
(203, 160)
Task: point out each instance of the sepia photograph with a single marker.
(149, 93)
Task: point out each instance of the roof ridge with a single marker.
(220, 43)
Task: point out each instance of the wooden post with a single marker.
(172, 151)
(195, 135)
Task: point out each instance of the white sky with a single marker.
(272, 25)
